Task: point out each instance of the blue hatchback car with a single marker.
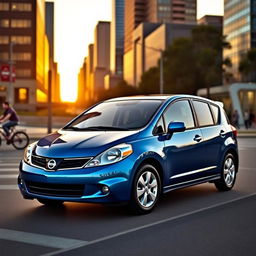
(132, 149)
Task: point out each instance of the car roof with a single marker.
(166, 97)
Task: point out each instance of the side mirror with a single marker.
(176, 127)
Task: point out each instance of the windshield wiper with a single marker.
(97, 128)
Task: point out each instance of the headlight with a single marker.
(111, 155)
(28, 152)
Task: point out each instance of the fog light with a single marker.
(105, 189)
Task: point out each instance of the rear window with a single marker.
(203, 113)
(216, 114)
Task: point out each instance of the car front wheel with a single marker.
(146, 190)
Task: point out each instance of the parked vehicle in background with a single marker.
(133, 149)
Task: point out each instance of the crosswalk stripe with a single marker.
(9, 170)
(8, 176)
(8, 164)
(38, 239)
(9, 187)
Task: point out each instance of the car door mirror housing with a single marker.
(176, 127)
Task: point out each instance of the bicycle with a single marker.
(19, 139)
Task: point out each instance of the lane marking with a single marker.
(9, 187)
(38, 239)
(125, 232)
(10, 170)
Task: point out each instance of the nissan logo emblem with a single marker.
(51, 164)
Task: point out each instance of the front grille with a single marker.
(59, 190)
(38, 161)
(73, 163)
(61, 164)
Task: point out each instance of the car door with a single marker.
(212, 132)
(184, 150)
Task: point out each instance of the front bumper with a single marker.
(78, 185)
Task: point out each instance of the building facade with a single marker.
(240, 29)
(101, 54)
(117, 37)
(24, 44)
(212, 20)
(150, 11)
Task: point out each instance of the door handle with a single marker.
(197, 138)
(222, 134)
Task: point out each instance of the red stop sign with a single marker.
(5, 73)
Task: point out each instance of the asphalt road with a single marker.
(192, 221)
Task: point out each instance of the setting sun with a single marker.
(74, 29)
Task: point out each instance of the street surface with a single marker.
(192, 221)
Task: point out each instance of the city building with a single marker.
(151, 11)
(101, 54)
(240, 29)
(89, 94)
(212, 20)
(82, 77)
(117, 37)
(23, 43)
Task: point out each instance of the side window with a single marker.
(216, 114)
(203, 113)
(179, 111)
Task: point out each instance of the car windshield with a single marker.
(118, 115)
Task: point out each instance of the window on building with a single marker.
(179, 111)
(21, 95)
(21, 39)
(21, 7)
(4, 6)
(4, 56)
(20, 23)
(22, 56)
(22, 73)
(4, 23)
(4, 39)
(203, 113)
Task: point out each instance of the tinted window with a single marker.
(203, 113)
(180, 111)
(215, 111)
(130, 114)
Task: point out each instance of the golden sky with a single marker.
(75, 21)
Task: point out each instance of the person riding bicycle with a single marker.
(9, 118)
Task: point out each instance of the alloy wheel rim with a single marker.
(147, 188)
(229, 172)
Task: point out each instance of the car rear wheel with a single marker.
(146, 190)
(51, 203)
(228, 174)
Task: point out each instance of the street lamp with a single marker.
(10, 89)
(161, 82)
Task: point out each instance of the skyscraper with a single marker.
(117, 37)
(22, 33)
(240, 29)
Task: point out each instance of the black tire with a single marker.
(144, 203)
(50, 203)
(228, 174)
(20, 140)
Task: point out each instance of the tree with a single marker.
(191, 63)
(150, 81)
(247, 66)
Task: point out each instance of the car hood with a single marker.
(64, 144)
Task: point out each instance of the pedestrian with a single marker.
(246, 119)
(9, 119)
(235, 119)
(252, 119)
